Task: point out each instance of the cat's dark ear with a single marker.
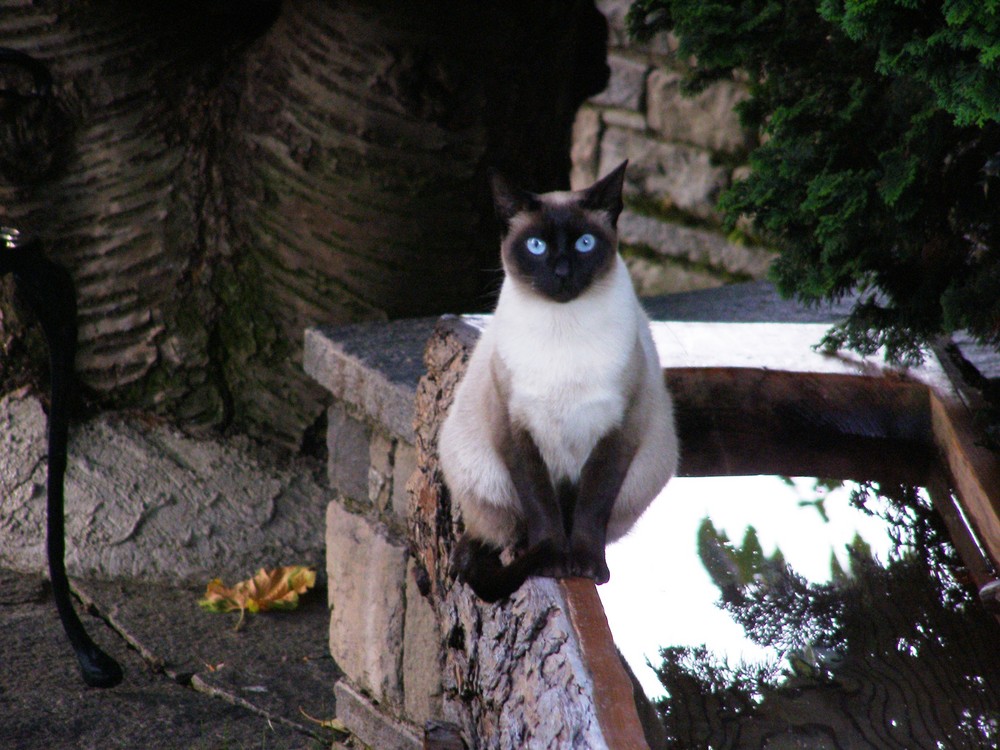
(508, 201)
(606, 194)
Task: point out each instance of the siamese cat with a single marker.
(562, 430)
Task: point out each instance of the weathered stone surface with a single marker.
(624, 118)
(614, 11)
(520, 672)
(626, 85)
(45, 705)
(381, 452)
(366, 582)
(404, 464)
(753, 302)
(275, 665)
(372, 367)
(145, 501)
(683, 174)
(652, 278)
(372, 726)
(347, 441)
(22, 482)
(584, 150)
(700, 246)
(422, 656)
(707, 120)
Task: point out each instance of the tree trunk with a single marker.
(217, 176)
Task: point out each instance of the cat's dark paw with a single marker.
(547, 559)
(589, 563)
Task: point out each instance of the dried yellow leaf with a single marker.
(269, 589)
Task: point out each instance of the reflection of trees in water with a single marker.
(897, 654)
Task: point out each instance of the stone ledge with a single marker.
(372, 367)
(366, 722)
(695, 245)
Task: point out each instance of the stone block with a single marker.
(701, 246)
(347, 441)
(372, 726)
(624, 118)
(684, 175)
(584, 149)
(626, 86)
(404, 464)
(614, 11)
(707, 120)
(653, 278)
(381, 455)
(422, 656)
(374, 368)
(367, 574)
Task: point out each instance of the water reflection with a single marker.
(890, 648)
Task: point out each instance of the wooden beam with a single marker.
(613, 698)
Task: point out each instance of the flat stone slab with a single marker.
(373, 367)
(370, 725)
(44, 703)
(752, 302)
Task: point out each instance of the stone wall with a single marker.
(383, 633)
(682, 151)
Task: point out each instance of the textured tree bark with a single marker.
(220, 175)
(502, 663)
(537, 669)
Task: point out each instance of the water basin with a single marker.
(863, 631)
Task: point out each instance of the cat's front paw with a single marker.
(548, 559)
(589, 563)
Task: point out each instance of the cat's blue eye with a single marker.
(535, 245)
(585, 243)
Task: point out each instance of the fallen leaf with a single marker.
(269, 589)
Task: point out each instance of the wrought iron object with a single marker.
(48, 290)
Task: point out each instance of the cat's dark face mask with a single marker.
(560, 253)
(560, 244)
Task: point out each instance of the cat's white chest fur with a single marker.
(566, 364)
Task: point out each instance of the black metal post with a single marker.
(48, 289)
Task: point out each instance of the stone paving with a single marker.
(191, 681)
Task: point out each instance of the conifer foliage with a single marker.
(879, 169)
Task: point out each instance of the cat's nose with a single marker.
(561, 269)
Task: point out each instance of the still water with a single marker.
(843, 619)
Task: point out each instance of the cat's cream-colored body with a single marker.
(568, 373)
